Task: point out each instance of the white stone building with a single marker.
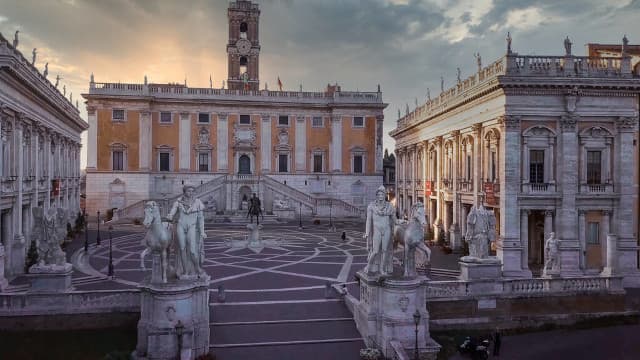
(550, 143)
(39, 152)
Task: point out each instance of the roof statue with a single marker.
(458, 75)
(478, 60)
(57, 81)
(33, 56)
(428, 94)
(508, 43)
(15, 39)
(441, 83)
(46, 70)
(567, 46)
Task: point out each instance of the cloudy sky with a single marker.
(403, 45)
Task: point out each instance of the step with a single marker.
(271, 311)
(343, 349)
(250, 334)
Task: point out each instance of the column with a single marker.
(145, 144)
(626, 186)
(509, 245)
(223, 145)
(17, 246)
(524, 238)
(439, 161)
(301, 144)
(477, 161)
(414, 172)
(582, 238)
(552, 167)
(47, 165)
(92, 139)
(525, 161)
(567, 216)
(336, 143)
(184, 147)
(455, 168)
(265, 143)
(379, 146)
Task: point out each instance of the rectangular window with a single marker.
(392, 176)
(283, 120)
(357, 164)
(358, 121)
(164, 161)
(536, 166)
(468, 167)
(203, 118)
(594, 169)
(118, 161)
(493, 166)
(593, 233)
(165, 117)
(203, 162)
(317, 122)
(245, 120)
(283, 163)
(117, 115)
(317, 163)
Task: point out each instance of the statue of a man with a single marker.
(378, 231)
(189, 232)
(33, 56)
(567, 46)
(551, 255)
(481, 229)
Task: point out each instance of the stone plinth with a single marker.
(174, 320)
(50, 278)
(385, 311)
(480, 269)
(285, 213)
(3, 281)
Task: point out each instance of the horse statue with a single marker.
(255, 209)
(157, 239)
(411, 235)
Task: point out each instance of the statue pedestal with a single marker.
(3, 281)
(174, 320)
(385, 312)
(472, 268)
(50, 278)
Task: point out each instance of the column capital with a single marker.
(477, 127)
(437, 141)
(145, 113)
(509, 122)
(265, 116)
(606, 212)
(300, 118)
(379, 117)
(455, 134)
(525, 212)
(568, 122)
(582, 212)
(548, 213)
(91, 110)
(626, 124)
(223, 116)
(336, 118)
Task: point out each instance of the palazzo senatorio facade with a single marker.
(39, 153)
(550, 143)
(319, 151)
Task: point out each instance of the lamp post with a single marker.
(416, 320)
(110, 273)
(330, 217)
(98, 236)
(86, 232)
(300, 217)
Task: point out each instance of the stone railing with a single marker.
(566, 66)
(596, 188)
(465, 185)
(226, 94)
(73, 302)
(137, 209)
(398, 351)
(513, 287)
(350, 210)
(289, 191)
(538, 188)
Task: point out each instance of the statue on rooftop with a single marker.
(33, 56)
(46, 70)
(91, 78)
(459, 75)
(567, 46)
(399, 115)
(441, 83)
(64, 90)
(508, 42)
(625, 44)
(57, 81)
(15, 39)
(478, 60)
(428, 94)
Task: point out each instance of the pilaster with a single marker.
(301, 144)
(222, 134)
(265, 142)
(184, 145)
(567, 217)
(379, 152)
(477, 162)
(336, 143)
(145, 142)
(92, 139)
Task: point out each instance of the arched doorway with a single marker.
(244, 165)
(244, 195)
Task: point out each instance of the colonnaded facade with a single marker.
(39, 153)
(321, 151)
(551, 145)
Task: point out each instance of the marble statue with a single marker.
(280, 204)
(459, 75)
(91, 78)
(211, 203)
(57, 81)
(15, 39)
(567, 46)
(49, 232)
(428, 94)
(412, 237)
(33, 56)
(481, 230)
(64, 90)
(478, 60)
(508, 43)
(551, 255)
(625, 44)
(46, 70)
(378, 231)
(156, 240)
(190, 233)
(441, 84)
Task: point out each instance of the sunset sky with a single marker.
(403, 45)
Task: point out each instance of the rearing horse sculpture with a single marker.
(157, 239)
(411, 236)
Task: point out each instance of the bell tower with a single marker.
(243, 49)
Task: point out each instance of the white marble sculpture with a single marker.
(211, 203)
(190, 234)
(156, 241)
(412, 236)
(49, 232)
(552, 256)
(254, 237)
(481, 230)
(280, 204)
(378, 231)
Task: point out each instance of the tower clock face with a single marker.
(243, 46)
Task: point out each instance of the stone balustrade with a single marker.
(538, 188)
(596, 188)
(73, 302)
(240, 95)
(534, 286)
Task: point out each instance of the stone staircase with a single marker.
(287, 329)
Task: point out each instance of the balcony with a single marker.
(596, 188)
(447, 184)
(465, 185)
(538, 188)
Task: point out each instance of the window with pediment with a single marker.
(596, 146)
(538, 153)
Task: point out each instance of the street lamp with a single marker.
(86, 232)
(416, 320)
(110, 273)
(300, 217)
(98, 236)
(330, 217)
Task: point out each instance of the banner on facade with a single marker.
(489, 194)
(428, 185)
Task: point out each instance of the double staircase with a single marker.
(316, 205)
